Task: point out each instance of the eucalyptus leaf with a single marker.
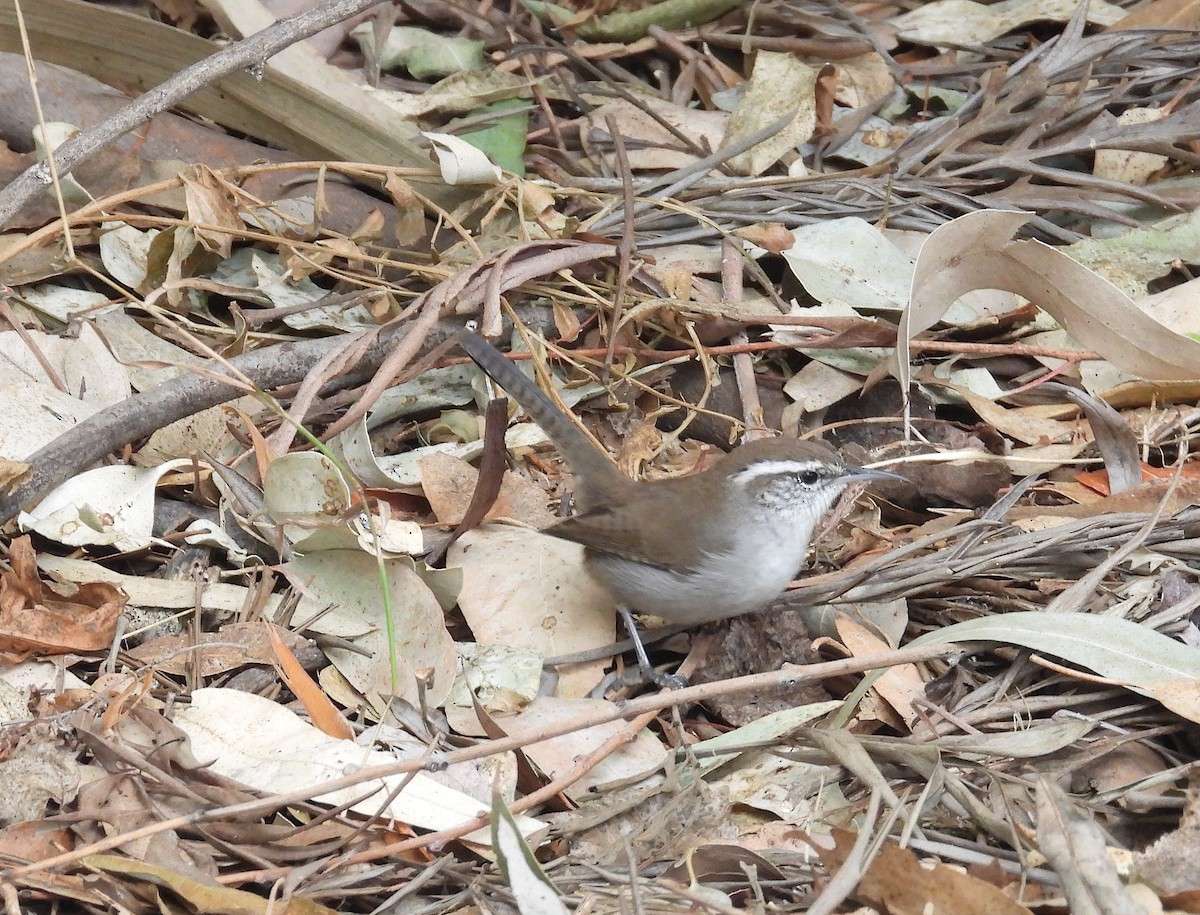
(503, 140)
(1118, 649)
(532, 890)
(1030, 743)
(762, 730)
(1140, 658)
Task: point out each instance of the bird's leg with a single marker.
(649, 674)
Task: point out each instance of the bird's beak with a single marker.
(866, 475)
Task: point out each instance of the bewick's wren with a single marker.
(719, 543)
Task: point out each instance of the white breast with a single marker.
(764, 559)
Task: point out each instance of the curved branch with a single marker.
(140, 415)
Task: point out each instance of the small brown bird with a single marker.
(690, 549)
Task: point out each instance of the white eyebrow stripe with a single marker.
(774, 468)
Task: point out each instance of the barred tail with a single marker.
(588, 462)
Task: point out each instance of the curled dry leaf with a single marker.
(977, 251)
(531, 888)
(462, 163)
(36, 619)
(211, 210)
(109, 506)
(423, 53)
(305, 493)
(770, 236)
(1118, 443)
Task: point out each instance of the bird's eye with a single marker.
(809, 477)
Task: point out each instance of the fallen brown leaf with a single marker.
(898, 883)
(36, 619)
